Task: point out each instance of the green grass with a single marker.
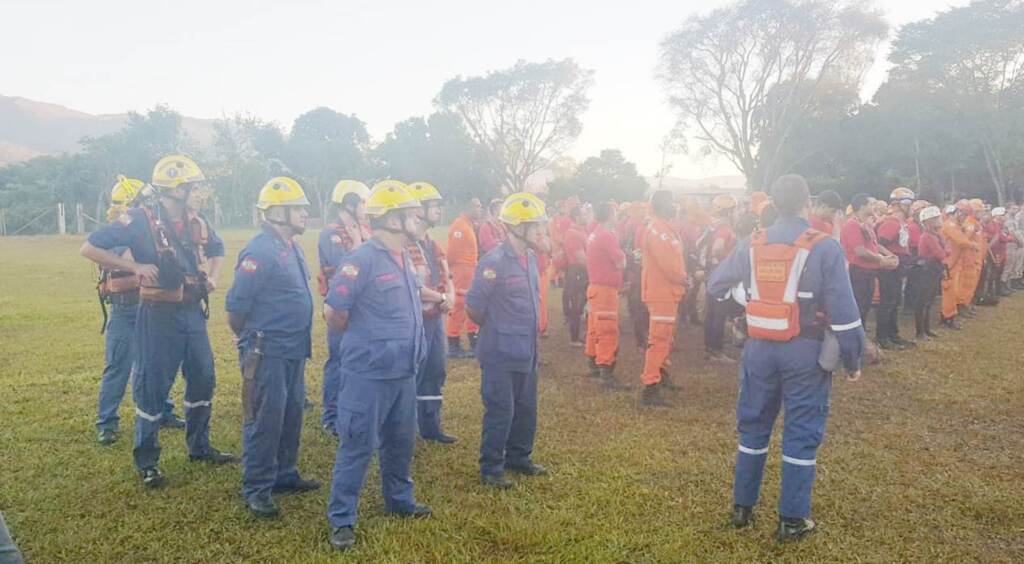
(923, 460)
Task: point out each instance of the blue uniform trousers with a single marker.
(169, 336)
(373, 415)
(120, 345)
(332, 380)
(774, 375)
(430, 378)
(270, 442)
(510, 417)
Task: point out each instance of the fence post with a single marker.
(61, 226)
(79, 219)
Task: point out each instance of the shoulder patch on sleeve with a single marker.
(249, 265)
(489, 274)
(350, 271)
(457, 234)
(336, 239)
(125, 219)
(664, 236)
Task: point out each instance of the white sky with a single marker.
(382, 60)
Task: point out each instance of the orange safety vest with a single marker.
(773, 313)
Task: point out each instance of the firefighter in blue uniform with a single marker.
(270, 310)
(169, 242)
(803, 323)
(337, 240)
(375, 301)
(432, 267)
(504, 300)
(120, 290)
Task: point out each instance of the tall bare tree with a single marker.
(742, 77)
(522, 117)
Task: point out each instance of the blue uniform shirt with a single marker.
(508, 296)
(132, 231)
(824, 286)
(271, 289)
(384, 338)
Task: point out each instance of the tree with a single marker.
(969, 63)
(606, 177)
(438, 150)
(743, 77)
(521, 117)
(324, 147)
(246, 152)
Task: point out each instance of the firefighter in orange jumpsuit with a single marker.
(605, 265)
(662, 279)
(959, 244)
(974, 258)
(463, 254)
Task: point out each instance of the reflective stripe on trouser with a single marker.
(950, 293)
(430, 379)
(270, 442)
(370, 413)
(510, 417)
(332, 379)
(458, 319)
(168, 337)
(603, 324)
(774, 375)
(659, 339)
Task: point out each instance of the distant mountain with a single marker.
(29, 128)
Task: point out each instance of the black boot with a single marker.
(607, 376)
(666, 381)
(928, 324)
(652, 396)
(455, 348)
(919, 324)
(794, 529)
(592, 371)
(472, 345)
(741, 516)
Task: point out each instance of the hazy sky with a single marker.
(383, 60)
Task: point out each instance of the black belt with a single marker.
(125, 298)
(814, 333)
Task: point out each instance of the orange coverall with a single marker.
(462, 258)
(973, 259)
(959, 244)
(661, 288)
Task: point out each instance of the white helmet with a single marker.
(931, 212)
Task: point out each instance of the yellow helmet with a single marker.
(977, 204)
(425, 192)
(389, 195)
(723, 202)
(281, 191)
(345, 187)
(174, 170)
(125, 190)
(900, 193)
(522, 207)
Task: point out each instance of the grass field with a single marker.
(923, 460)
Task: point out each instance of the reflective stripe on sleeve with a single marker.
(846, 326)
(194, 404)
(805, 295)
(799, 461)
(429, 398)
